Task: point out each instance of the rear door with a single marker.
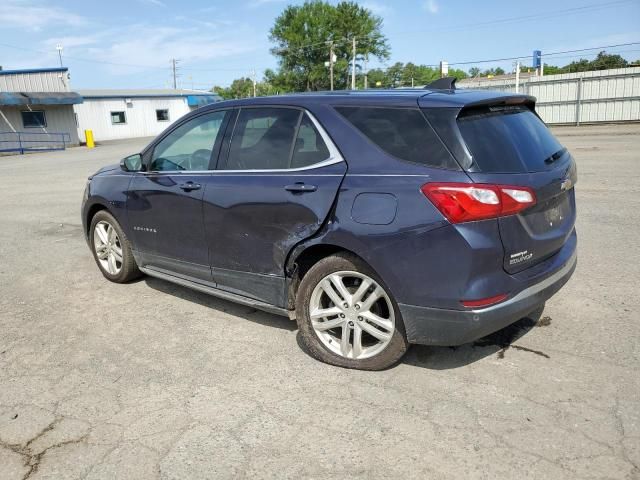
(276, 182)
(510, 145)
(165, 202)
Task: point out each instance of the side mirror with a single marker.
(132, 163)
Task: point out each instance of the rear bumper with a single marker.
(437, 326)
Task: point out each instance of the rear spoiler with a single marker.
(525, 101)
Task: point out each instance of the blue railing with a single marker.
(33, 141)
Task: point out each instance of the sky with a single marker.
(130, 44)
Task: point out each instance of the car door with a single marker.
(276, 182)
(165, 201)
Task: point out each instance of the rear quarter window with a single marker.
(508, 139)
(401, 132)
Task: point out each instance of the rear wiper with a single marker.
(559, 154)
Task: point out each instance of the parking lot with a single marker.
(151, 380)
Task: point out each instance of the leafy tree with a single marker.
(405, 75)
(474, 72)
(302, 34)
(605, 61)
(243, 87)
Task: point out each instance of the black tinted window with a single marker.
(508, 140)
(309, 148)
(401, 132)
(33, 119)
(263, 139)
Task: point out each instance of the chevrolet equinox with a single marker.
(375, 219)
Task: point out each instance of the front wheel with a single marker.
(111, 249)
(347, 316)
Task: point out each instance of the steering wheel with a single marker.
(200, 157)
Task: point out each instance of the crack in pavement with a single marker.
(32, 459)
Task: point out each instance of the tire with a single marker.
(328, 344)
(126, 268)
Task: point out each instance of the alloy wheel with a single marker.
(107, 247)
(352, 315)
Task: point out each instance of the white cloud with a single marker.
(259, 3)
(154, 46)
(34, 15)
(157, 3)
(431, 6)
(378, 8)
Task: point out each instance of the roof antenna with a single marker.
(446, 83)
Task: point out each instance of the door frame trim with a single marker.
(334, 154)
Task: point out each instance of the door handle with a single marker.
(188, 186)
(300, 188)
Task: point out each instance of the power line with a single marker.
(468, 26)
(493, 60)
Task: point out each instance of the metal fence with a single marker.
(575, 98)
(33, 141)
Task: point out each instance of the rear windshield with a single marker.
(508, 140)
(401, 132)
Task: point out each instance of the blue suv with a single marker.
(376, 219)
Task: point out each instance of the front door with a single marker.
(274, 187)
(165, 202)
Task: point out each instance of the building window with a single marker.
(162, 115)
(34, 119)
(118, 118)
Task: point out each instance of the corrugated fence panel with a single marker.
(35, 82)
(590, 97)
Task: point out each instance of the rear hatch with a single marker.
(510, 145)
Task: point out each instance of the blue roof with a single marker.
(33, 70)
(39, 98)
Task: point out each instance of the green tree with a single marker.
(243, 88)
(605, 61)
(474, 72)
(302, 36)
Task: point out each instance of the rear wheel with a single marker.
(111, 249)
(347, 316)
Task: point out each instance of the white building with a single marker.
(114, 114)
(36, 110)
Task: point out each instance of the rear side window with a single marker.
(263, 139)
(309, 148)
(401, 132)
(508, 140)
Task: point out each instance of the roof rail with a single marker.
(445, 83)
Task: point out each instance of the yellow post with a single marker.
(88, 134)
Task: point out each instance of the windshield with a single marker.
(508, 140)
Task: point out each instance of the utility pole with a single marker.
(353, 67)
(366, 71)
(59, 49)
(517, 76)
(174, 69)
(331, 62)
(253, 78)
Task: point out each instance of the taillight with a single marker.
(484, 302)
(467, 202)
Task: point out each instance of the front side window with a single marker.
(118, 118)
(263, 139)
(34, 119)
(162, 115)
(189, 147)
(401, 132)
